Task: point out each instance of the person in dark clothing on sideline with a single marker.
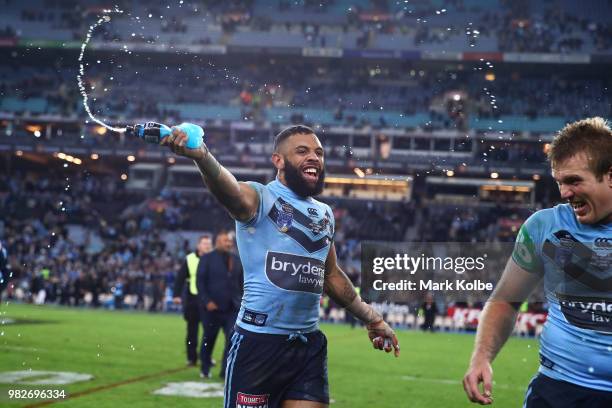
(188, 296)
(220, 290)
(429, 312)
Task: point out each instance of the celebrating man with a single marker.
(277, 356)
(569, 246)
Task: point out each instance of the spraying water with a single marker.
(104, 19)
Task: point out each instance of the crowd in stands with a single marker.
(118, 246)
(357, 95)
(35, 214)
(515, 26)
(85, 239)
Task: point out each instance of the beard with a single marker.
(298, 185)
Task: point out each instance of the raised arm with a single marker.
(239, 199)
(496, 324)
(340, 288)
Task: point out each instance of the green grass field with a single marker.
(129, 355)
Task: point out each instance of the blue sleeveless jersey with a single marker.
(576, 260)
(283, 251)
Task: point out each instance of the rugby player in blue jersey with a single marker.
(278, 357)
(569, 246)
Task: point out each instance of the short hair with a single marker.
(222, 231)
(591, 136)
(205, 236)
(290, 131)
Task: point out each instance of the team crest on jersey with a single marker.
(251, 401)
(563, 254)
(285, 217)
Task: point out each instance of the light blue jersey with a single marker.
(576, 260)
(283, 251)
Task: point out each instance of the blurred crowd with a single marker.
(517, 26)
(357, 95)
(85, 239)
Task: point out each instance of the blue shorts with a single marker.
(546, 392)
(265, 369)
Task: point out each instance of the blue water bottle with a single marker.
(154, 133)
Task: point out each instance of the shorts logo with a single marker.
(294, 272)
(251, 401)
(254, 318)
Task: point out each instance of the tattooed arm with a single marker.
(340, 288)
(239, 199)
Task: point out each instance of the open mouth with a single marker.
(580, 207)
(311, 173)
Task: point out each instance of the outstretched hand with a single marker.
(383, 337)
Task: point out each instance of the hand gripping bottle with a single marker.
(154, 133)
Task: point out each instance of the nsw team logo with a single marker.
(285, 218)
(563, 253)
(251, 401)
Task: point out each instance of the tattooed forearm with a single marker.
(339, 287)
(223, 185)
(209, 167)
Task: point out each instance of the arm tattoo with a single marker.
(209, 166)
(221, 183)
(339, 287)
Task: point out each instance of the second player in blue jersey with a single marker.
(569, 248)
